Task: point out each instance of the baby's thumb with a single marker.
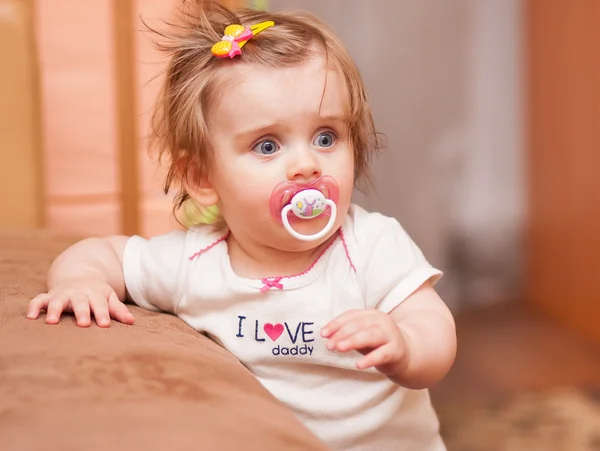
(118, 310)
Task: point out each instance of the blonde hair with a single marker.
(179, 129)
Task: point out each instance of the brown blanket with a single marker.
(157, 385)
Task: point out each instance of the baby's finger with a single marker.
(99, 306)
(80, 305)
(335, 324)
(345, 331)
(118, 310)
(379, 356)
(55, 307)
(36, 304)
(356, 324)
(367, 338)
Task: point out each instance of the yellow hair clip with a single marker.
(234, 38)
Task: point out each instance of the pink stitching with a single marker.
(346, 249)
(279, 278)
(275, 282)
(201, 251)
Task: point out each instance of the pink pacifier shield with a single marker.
(305, 207)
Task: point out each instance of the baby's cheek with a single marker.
(345, 196)
(255, 203)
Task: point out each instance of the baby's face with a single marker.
(274, 125)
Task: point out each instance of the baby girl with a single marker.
(264, 121)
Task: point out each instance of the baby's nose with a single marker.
(304, 167)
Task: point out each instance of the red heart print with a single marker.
(273, 331)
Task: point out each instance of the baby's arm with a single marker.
(87, 276)
(405, 331)
(414, 345)
(430, 336)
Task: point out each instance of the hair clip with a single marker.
(234, 38)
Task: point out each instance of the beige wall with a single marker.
(20, 203)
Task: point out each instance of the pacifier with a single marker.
(305, 201)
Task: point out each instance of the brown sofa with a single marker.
(156, 385)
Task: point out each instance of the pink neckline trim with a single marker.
(346, 250)
(275, 281)
(210, 246)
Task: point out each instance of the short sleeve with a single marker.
(393, 265)
(153, 270)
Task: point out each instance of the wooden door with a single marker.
(20, 186)
(564, 161)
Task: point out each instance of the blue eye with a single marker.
(326, 139)
(266, 147)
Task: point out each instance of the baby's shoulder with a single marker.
(200, 239)
(363, 226)
(177, 244)
(368, 235)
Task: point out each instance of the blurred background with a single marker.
(491, 111)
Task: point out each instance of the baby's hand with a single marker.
(81, 297)
(372, 333)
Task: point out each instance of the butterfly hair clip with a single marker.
(234, 38)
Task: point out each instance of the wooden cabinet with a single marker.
(95, 66)
(563, 236)
(76, 93)
(79, 128)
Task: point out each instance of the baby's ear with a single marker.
(197, 184)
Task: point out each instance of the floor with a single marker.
(521, 382)
(509, 348)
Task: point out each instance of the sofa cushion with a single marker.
(156, 385)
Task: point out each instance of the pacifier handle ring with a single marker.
(315, 236)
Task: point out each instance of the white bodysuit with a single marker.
(273, 325)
